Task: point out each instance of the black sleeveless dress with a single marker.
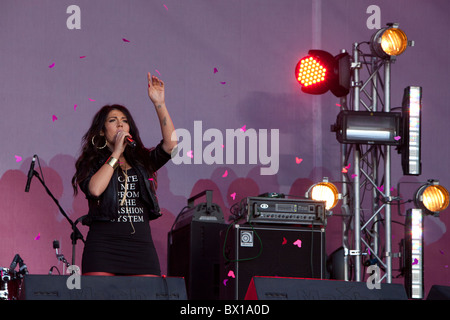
(123, 245)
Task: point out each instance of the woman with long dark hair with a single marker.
(118, 176)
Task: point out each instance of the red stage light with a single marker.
(310, 72)
(320, 71)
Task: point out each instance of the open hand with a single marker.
(155, 90)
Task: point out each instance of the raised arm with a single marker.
(156, 92)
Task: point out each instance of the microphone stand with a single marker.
(76, 234)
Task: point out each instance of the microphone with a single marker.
(56, 246)
(59, 256)
(23, 269)
(130, 142)
(22, 266)
(14, 262)
(30, 173)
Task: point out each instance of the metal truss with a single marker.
(366, 186)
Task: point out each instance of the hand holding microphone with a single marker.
(122, 140)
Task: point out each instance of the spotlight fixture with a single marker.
(414, 254)
(389, 41)
(324, 191)
(320, 71)
(411, 147)
(432, 198)
(366, 127)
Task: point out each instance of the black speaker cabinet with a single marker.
(268, 288)
(194, 253)
(193, 249)
(438, 292)
(53, 287)
(269, 250)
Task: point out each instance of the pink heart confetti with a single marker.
(158, 72)
(354, 176)
(225, 174)
(338, 105)
(165, 7)
(52, 65)
(415, 261)
(243, 128)
(284, 241)
(345, 169)
(381, 188)
(82, 57)
(91, 99)
(231, 274)
(397, 138)
(298, 243)
(225, 282)
(189, 154)
(125, 40)
(215, 70)
(18, 158)
(233, 195)
(54, 118)
(222, 82)
(75, 107)
(298, 160)
(38, 236)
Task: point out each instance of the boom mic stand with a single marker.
(76, 234)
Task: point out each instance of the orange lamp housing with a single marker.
(320, 71)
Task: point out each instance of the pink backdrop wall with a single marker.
(225, 63)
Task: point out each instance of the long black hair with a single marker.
(92, 142)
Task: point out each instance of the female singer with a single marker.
(118, 176)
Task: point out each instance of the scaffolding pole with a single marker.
(387, 175)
